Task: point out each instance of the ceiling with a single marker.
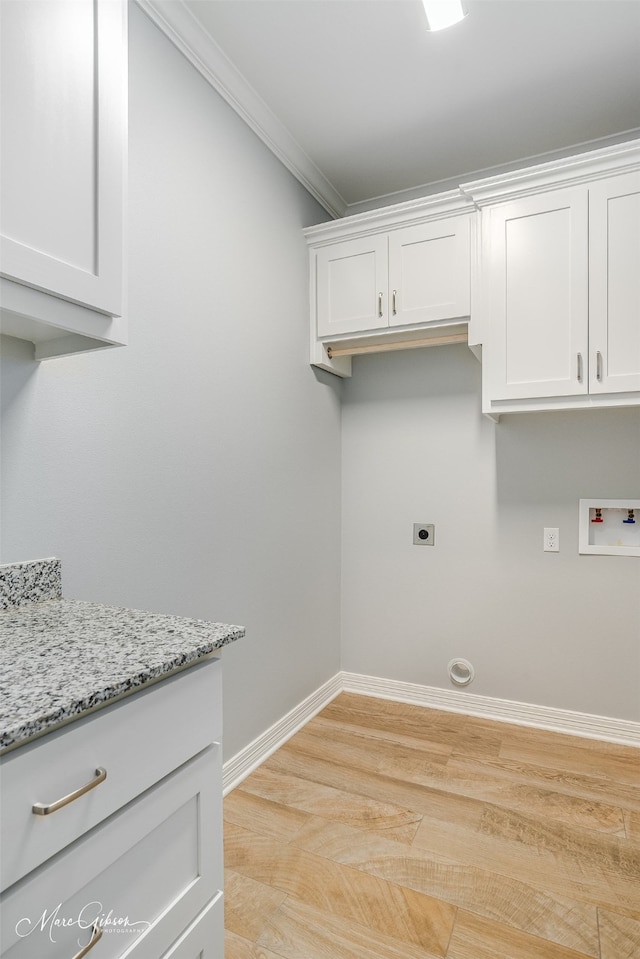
(361, 101)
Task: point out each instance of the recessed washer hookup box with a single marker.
(609, 527)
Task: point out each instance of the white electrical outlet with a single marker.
(551, 539)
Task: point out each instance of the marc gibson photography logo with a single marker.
(91, 917)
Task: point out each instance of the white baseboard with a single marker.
(243, 763)
(586, 725)
(625, 732)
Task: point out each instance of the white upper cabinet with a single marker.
(560, 269)
(614, 285)
(412, 276)
(352, 286)
(395, 276)
(64, 71)
(429, 272)
(537, 297)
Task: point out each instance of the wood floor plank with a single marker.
(248, 904)
(403, 914)
(620, 764)
(235, 947)
(395, 722)
(619, 935)
(305, 759)
(298, 931)
(264, 815)
(547, 855)
(267, 816)
(514, 791)
(477, 938)
(503, 899)
(406, 721)
(596, 789)
(331, 803)
(350, 747)
(632, 824)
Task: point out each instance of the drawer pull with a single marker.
(96, 936)
(45, 809)
(379, 304)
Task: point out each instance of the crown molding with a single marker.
(179, 25)
(426, 208)
(566, 172)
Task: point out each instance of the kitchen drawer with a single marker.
(138, 741)
(142, 875)
(205, 938)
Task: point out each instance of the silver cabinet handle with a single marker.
(45, 809)
(379, 304)
(96, 936)
(579, 371)
(394, 303)
(599, 366)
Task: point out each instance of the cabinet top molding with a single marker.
(409, 213)
(567, 172)
(471, 196)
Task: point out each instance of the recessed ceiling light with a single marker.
(443, 13)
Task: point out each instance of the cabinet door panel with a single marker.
(614, 284)
(63, 82)
(539, 296)
(352, 286)
(429, 272)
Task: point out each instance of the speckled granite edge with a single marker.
(63, 658)
(31, 582)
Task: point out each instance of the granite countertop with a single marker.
(61, 658)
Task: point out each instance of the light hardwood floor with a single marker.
(387, 831)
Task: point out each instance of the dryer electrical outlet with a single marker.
(424, 534)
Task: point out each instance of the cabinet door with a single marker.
(614, 284)
(63, 129)
(352, 286)
(144, 875)
(538, 296)
(429, 272)
(204, 939)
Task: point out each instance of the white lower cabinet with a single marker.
(202, 940)
(146, 881)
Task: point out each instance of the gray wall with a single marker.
(554, 629)
(183, 473)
